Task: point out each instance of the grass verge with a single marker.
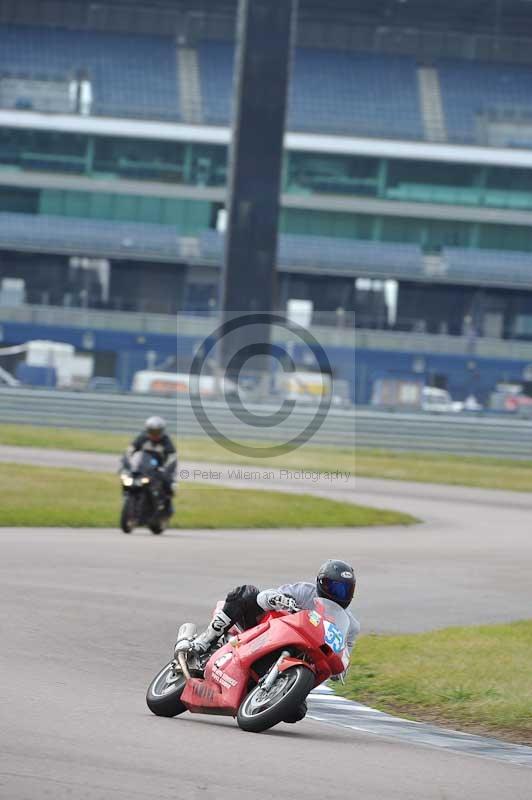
(477, 471)
(190, 448)
(38, 496)
(475, 679)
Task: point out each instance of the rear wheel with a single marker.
(164, 692)
(261, 710)
(128, 515)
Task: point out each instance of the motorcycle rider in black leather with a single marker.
(154, 440)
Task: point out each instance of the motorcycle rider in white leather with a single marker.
(245, 605)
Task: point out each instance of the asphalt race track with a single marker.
(88, 616)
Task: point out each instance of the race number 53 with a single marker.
(333, 636)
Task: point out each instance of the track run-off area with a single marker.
(89, 615)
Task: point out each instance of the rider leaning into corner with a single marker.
(154, 439)
(245, 606)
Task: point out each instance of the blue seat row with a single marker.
(331, 92)
(306, 253)
(490, 266)
(146, 240)
(329, 254)
(130, 75)
(472, 91)
(89, 236)
(377, 95)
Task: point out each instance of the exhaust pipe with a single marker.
(182, 661)
(186, 632)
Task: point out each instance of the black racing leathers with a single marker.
(165, 453)
(241, 606)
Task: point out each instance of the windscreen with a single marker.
(142, 461)
(335, 623)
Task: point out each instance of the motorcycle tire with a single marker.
(127, 516)
(164, 700)
(157, 528)
(157, 524)
(294, 684)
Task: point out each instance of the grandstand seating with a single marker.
(130, 75)
(163, 242)
(364, 94)
(88, 236)
(373, 95)
(495, 267)
(309, 254)
(211, 246)
(216, 76)
(324, 254)
(470, 89)
(332, 91)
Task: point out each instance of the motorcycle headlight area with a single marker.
(127, 480)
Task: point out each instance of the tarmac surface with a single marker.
(89, 616)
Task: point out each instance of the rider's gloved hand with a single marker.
(283, 602)
(186, 646)
(199, 646)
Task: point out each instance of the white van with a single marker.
(439, 401)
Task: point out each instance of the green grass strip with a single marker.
(38, 496)
(190, 448)
(476, 679)
(477, 471)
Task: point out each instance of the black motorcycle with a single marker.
(145, 500)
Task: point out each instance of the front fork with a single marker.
(269, 679)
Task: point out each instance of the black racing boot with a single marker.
(299, 713)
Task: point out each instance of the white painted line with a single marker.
(326, 706)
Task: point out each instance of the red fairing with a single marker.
(229, 673)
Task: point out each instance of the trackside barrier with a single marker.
(124, 413)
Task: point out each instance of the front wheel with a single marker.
(164, 692)
(156, 528)
(261, 710)
(158, 524)
(128, 514)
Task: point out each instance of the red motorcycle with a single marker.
(262, 675)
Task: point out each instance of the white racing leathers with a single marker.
(304, 594)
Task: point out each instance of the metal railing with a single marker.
(487, 435)
(125, 413)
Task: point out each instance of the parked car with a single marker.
(439, 401)
(100, 384)
(511, 399)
